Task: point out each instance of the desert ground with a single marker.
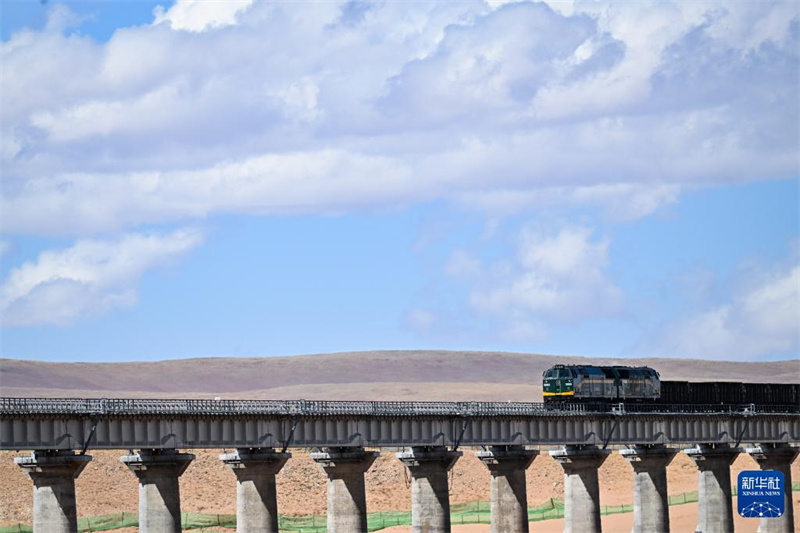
(208, 487)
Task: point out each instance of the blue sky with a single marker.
(242, 179)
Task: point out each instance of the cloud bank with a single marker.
(89, 278)
(272, 108)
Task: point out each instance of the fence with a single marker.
(462, 513)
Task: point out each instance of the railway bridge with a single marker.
(346, 435)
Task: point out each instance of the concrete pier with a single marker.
(715, 507)
(256, 494)
(509, 504)
(347, 496)
(430, 495)
(581, 487)
(650, 496)
(53, 474)
(159, 493)
(777, 457)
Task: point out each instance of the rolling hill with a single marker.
(376, 375)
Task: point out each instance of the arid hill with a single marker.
(378, 375)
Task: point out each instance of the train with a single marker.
(643, 385)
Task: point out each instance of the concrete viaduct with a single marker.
(60, 431)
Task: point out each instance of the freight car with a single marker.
(623, 384)
(729, 393)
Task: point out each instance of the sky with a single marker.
(199, 178)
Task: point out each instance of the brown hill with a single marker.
(378, 375)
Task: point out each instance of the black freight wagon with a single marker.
(772, 394)
(729, 393)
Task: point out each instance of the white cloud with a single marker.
(60, 18)
(462, 265)
(285, 109)
(495, 66)
(420, 320)
(328, 181)
(618, 202)
(91, 277)
(201, 15)
(300, 99)
(760, 320)
(556, 278)
(625, 201)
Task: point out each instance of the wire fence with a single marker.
(478, 512)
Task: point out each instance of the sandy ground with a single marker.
(106, 486)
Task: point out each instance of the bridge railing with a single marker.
(49, 406)
(21, 406)
(296, 408)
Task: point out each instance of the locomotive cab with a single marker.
(558, 383)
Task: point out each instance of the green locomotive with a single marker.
(584, 383)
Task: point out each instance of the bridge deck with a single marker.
(121, 424)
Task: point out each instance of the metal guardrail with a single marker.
(316, 408)
(111, 407)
